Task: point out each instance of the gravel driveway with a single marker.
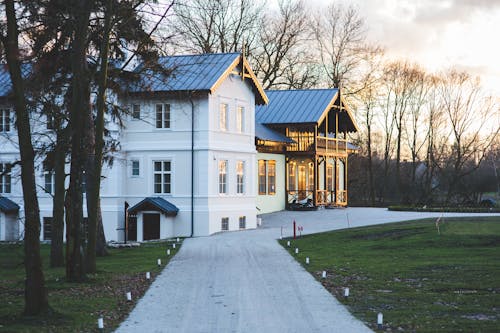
(246, 282)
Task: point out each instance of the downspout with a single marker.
(192, 164)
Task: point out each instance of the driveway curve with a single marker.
(246, 282)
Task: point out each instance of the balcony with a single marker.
(304, 142)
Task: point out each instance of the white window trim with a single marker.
(240, 120)
(10, 112)
(132, 168)
(226, 177)
(243, 184)
(226, 122)
(152, 182)
(163, 114)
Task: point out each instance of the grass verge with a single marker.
(77, 306)
(420, 280)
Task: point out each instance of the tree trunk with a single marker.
(56, 243)
(35, 293)
(101, 250)
(80, 108)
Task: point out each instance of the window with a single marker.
(224, 224)
(223, 116)
(222, 176)
(136, 111)
(5, 178)
(271, 177)
(329, 177)
(135, 168)
(292, 176)
(243, 222)
(162, 115)
(47, 228)
(162, 177)
(240, 177)
(50, 122)
(262, 177)
(311, 176)
(48, 181)
(240, 119)
(4, 120)
(267, 177)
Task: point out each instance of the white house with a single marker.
(193, 158)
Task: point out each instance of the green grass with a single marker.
(420, 280)
(75, 307)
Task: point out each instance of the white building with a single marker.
(188, 163)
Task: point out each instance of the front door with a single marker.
(302, 182)
(151, 226)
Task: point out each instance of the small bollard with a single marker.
(288, 243)
(168, 252)
(380, 320)
(173, 246)
(323, 275)
(159, 262)
(307, 260)
(296, 250)
(129, 296)
(148, 275)
(100, 323)
(346, 293)
(177, 239)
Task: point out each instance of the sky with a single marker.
(438, 34)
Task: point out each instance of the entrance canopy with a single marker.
(8, 206)
(157, 204)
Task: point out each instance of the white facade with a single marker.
(131, 178)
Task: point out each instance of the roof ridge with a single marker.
(199, 54)
(314, 89)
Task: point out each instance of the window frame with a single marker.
(163, 117)
(271, 179)
(5, 120)
(133, 168)
(136, 112)
(164, 176)
(266, 180)
(222, 176)
(49, 174)
(224, 224)
(240, 177)
(244, 220)
(240, 119)
(224, 117)
(5, 179)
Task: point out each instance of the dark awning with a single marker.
(155, 203)
(8, 206)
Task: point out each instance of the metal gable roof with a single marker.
(5, 82)
(295, 106)
(264, 133)
(155, 203)
(8, 206)
(202, 72)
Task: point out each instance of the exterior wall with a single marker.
(140, 140)
(272, 203)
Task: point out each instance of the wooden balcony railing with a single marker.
(306, 143)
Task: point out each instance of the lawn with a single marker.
(420, 280)
(77, 306)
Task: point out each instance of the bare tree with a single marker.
(35, 291)
(340, 35)
(282, 47)
(210, 26)
(473, 126)
(367, 100)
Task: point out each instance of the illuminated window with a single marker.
(240, 177)
(271, 177)
(223, 177)
(223, 117)
(240, 119)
